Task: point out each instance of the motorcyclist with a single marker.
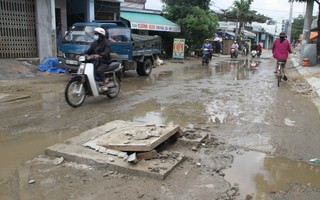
(259, 49)
(245, 47)
(235, 46)
(99, 51)
(207, 45)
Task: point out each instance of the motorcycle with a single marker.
(258, 53)
(84, 82)
(244, 51)
(233, 53)
(253, 53)
(205, 56)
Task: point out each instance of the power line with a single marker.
(274, 10)
(268, 10)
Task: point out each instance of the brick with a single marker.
(147, 155)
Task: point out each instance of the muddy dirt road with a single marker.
(261, 136)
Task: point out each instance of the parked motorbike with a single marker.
(233, 53)
(85, 82)
(205, 56)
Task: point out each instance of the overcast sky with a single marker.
(276, 9)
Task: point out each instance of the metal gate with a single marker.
(18, 29)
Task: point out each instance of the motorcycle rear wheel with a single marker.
(73, 95)
(114, 89)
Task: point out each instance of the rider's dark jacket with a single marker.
(102, 48)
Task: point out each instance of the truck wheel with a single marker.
(145, 68)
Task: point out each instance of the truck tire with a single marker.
(145, 68)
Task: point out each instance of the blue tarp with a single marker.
(51, 65)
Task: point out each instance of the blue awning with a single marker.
(149, 21)
(229, 35)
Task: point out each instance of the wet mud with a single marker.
(261, 136)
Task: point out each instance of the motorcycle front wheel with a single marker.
(203, 60)
(75, 93)
(114, 88)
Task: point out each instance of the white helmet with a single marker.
(100, 31)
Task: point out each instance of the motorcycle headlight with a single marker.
(82, 58)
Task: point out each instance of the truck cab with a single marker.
(136, 55)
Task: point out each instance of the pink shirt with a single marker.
(281, 50)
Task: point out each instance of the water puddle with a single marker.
(186, 114)
(26, 147)
(259, 174)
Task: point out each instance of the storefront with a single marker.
(148, 21)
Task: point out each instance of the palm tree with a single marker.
(242, 8)
(241, 13)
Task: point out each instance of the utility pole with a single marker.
(290, 22)
(237, 26)
(307, 22)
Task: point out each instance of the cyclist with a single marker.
(280, 50)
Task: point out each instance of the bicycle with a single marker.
(280, 70)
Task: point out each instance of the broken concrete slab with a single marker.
(194, 138)
(74, 150)
(140, 137)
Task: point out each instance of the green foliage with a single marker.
(297, 27)
(196, 21)
(203, 4)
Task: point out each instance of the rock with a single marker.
(32, 181)
(122, 155)
(58, 161)
(194, 148)
(155, 169)
(132, 158)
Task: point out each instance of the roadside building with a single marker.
(34, 28)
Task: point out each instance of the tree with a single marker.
(240, 12)
(297, 26)
(203, 4)
(318, 24)
(194, 16)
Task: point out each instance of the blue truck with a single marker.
(135, 52)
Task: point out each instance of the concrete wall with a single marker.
(46, 34)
